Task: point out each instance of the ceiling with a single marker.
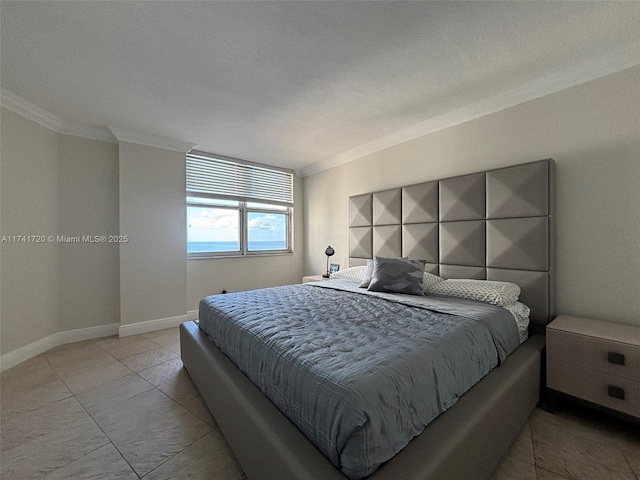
(303, 85)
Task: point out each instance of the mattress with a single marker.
(360, 374)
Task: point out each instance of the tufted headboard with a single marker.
(493, 225)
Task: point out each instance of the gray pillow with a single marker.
(397, 275)
(368, 273)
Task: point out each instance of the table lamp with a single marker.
(328, 252)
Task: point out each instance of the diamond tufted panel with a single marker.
(518, 243)
(495, 225)
(360, 210)
(387, 241)
(361, 242)
(463, 243)
(420, 203)
(387, 207)
(432, 268)
(458, 271)
(420, 241)
(520, 191)
(462, 198)
(356, 262)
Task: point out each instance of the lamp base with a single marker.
(325, 275)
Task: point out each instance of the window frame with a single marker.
(213, 253)
(244, 220)
(205, 197)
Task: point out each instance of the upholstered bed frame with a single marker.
(497, 225)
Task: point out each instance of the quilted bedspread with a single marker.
(359, 374)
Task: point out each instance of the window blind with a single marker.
(216, 177)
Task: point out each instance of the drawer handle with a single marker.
(616, 358)
(616, 392)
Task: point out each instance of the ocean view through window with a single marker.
(233, 246)
(237, 209)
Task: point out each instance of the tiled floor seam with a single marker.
(626, 459)
(533, 446)
(107, 436)
(549, 471)
(134, 396)
(178, 453)
(521, 460)
(110, 441)
(44, 356)
(94, 421)
(120, 453)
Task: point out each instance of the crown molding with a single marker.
(555, 82)
(94, 133)
(19, 105)
(28, 110)
(139, 138)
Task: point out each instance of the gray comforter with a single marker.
(359, 373)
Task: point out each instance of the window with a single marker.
(236, 208)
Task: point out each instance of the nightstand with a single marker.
(596, 361)
(313, 278)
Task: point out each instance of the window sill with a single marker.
(251, 255)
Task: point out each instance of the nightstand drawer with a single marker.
(614, 392)
(605, 356)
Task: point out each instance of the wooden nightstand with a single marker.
(313, 278)
(595, 361)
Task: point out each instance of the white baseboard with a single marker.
(158, 324)
(19, 355)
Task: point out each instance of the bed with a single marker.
(495, 225)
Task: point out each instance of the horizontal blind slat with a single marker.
(214, 176)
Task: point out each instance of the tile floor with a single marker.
(124, 408)
(575, 442)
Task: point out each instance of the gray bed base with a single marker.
(465, 442)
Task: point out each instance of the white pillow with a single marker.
(486, 291)
(429, 280)
(368, 273)
(353, 274)
(521, 313)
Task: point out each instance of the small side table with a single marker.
(596, 361)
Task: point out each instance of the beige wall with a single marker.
(61, 185)
(56, 185)
(88, 273)
(153, 271)
(592, 131)
(209, 276)
(28, 206)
